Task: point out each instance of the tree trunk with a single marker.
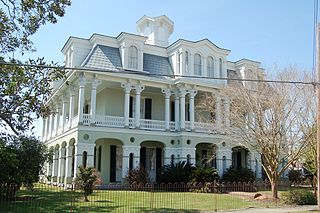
(274, 189)
(86, 198)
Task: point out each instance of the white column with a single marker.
(182, 108)
(93, 99)
(138, 89)
(191, 102)
(127, 88)
(44, 127)
(81, 98)
(125, 161)
(71, 106)
(61, 164)
(48, 127)
(58, 111)
(167, 94)
(52, 118)
(55, 165)
(63, 113)
(176, 110)
(218, 112)
(68, 178)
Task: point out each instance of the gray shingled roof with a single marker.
(156, 64)
(103, 57)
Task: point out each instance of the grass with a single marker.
(53, 199)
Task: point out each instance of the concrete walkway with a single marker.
(306, 208)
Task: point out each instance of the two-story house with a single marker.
(131, 100)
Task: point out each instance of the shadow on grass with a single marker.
(43, 200)
(165, 210)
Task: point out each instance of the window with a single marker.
(197, 64)
(220, 67)
(84, 159)
(147, 109)
(187, 61)
(210, 67)
(133, 58)
(130, 161)
(99, 158)
(178, 63)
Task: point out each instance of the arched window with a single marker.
(197, 64)
(84, 159)
(224, 163)
(210, 67)
(72, 162)
(187, 61)
(130, 161)
(133, 58)
(178, 63)
(220, 67)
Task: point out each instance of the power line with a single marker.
(121, 70)
(315, 23)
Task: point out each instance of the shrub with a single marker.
(295, 175)
(86, 177)
(299, 197)
(137, 176)
(238, 175)
(204, 174)
(176, 173)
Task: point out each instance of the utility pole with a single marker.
(318, 110)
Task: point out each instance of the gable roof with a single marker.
(103, 57)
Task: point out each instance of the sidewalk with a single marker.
(306, 208)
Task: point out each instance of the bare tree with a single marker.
(270, 118)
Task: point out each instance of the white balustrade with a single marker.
(109, 121)
(172, 125)
(132, 123)
(86, 119)
(152, 124)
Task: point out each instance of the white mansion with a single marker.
(131, 101)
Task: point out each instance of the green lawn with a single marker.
(53, 199)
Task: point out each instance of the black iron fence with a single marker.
(176, 197)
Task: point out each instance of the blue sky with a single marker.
(269, 31)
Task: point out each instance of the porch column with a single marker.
(227, 113)
(63, 112)
(191, 102)
(44, 127)
(218, 112)
(95, 84)
(48, 127)
(81, 98)
(61, 163)
(256, 164)
(139, 88)
(167, 93)
(183, 93)
(68, 169)
(58, 111)
(55, 166)
(71, 105)
(51, 125)
(176, 110)
(126, 88)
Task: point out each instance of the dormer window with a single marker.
(210, 67)
(197, 65)
(187, 61)
(133, 58)
(179, 64)
(220, 67)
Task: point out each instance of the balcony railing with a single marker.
(119, 122)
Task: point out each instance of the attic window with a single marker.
(210, 67)
(197, 64)
(133, 58)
